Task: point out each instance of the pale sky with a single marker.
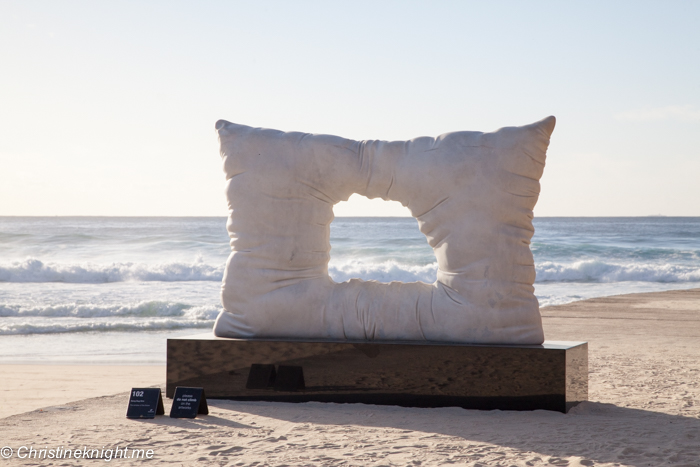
(108, 107)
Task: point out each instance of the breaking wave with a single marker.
(144, 316)
(601, 271)
(387, 271)
(53, 327)
(140, 310)
(34, 270)
(592, 270)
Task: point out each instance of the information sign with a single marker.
(188, 402)
(145, 403)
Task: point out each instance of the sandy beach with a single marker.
(36, 386)
(644, 408)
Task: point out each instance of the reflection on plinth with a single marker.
(551, 376)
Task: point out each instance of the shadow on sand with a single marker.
(596, 432)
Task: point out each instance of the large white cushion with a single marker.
(472, 194)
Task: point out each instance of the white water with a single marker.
(128, 283)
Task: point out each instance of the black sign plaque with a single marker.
(188, 402)
(145, 403)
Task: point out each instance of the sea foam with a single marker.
(602, 271)
(590, 270)
(142, 310)
(34, 270)
(67, 318)
(16, 327)
(386, 271)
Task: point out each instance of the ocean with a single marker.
(112, 290)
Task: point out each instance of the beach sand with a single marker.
(644, 409)
(30, 387)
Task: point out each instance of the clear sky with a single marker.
(108, 107)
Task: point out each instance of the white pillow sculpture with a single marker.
(471, 192)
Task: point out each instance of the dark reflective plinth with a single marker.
(552, 376)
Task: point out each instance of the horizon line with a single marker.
(335, 217)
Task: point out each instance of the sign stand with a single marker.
(188, 402)
(145, 403)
